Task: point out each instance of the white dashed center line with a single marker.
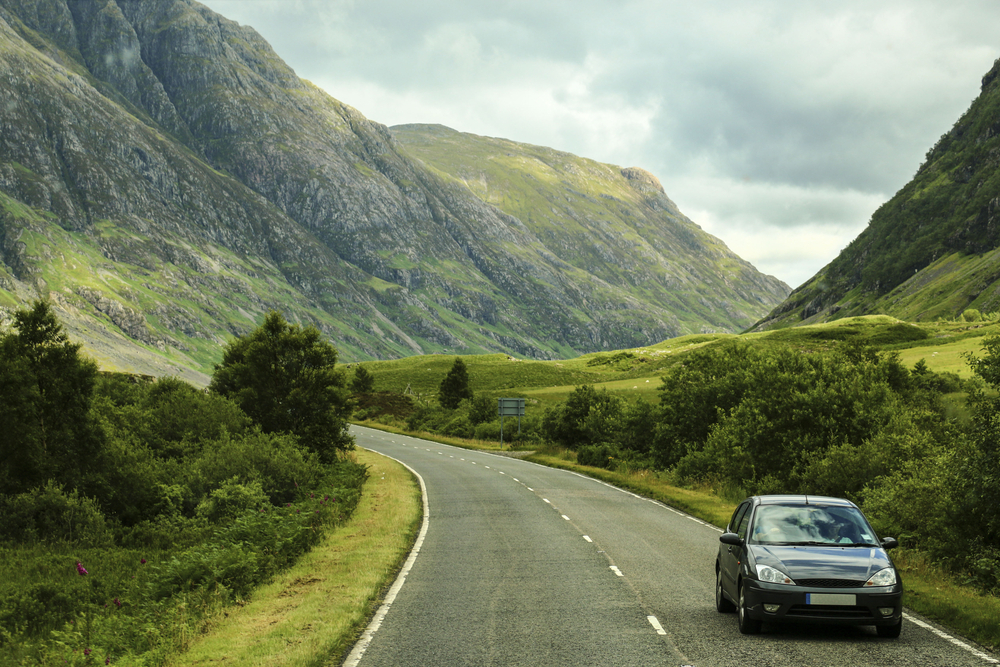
(656, 625)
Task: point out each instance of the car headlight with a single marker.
(771, 575)
(886, 577)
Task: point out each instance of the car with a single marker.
(808, 559)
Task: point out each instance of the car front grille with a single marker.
(829, 611)
(830, 583)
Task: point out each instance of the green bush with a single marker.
(599, 456)
(489, 431)
(39, 608)
(51, 514)
(459, 427)
(232, 499)
(275, 461)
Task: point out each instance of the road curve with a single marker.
(527, 565)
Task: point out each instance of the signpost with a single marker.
(510, 407)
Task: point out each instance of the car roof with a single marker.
(801, 499)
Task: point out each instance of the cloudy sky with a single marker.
(778, 125)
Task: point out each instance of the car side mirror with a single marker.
(889, 543)
(732, 539)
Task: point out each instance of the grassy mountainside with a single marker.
(930, 251)
(601, 220)
(165, 179)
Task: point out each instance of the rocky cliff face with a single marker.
(164, 174)
(931, 250)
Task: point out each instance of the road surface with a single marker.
(521, 564)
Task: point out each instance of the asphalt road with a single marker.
(526, 565)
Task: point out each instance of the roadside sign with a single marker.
(510, 407)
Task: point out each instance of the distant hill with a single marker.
(165, 179)
(614, 227)
(933, 250)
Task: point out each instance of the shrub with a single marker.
(39, 608)
(275, 461)
(599, 456)
(488, 431)
(231, 500)
(459, 427)
(50, 514)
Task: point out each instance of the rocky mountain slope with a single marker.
(166, 179)
(933, 250)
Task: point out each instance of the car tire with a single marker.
(748, 626)
(890, 631)
(722, 603)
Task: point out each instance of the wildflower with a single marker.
(118, 603)
(86, 652)
(142, 561)
(81, 570)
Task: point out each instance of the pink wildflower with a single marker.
(81, 570)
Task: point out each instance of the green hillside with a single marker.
(637, 372)
(930, 251)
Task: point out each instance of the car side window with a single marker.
(738, 515)
(744, 524)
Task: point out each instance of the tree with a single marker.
(46, 388)
(455, 386)
(285, 378)
(363, 382)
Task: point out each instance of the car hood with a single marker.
(822, 562)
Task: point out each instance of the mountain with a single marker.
(166, 179)
(613, 227)
(933, 250)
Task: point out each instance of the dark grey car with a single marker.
(807, 559)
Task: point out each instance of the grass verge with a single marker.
(312, 614)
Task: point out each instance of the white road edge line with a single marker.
(656, 625)
(956, 642)
(366, 637)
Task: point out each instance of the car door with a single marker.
(731, 556)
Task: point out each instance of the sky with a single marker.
(778, 126)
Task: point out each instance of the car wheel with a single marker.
(722, 604)
(748, 626)
(890, 631)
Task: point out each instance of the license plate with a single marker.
(840, 599)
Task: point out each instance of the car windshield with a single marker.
(810, 524)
